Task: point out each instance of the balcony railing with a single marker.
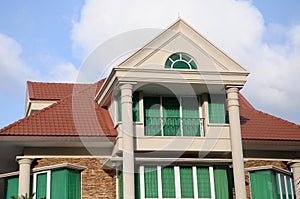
(174, 126)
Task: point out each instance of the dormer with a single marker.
(179, 82)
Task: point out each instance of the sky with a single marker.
(49, 40)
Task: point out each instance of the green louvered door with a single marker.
(263, 185)
(190, 116)
(168, 182)
(217, 109)
(171, 116)
(221, 183)
(152, 116)
(41, 185)
(12, 187)
(151, 182)
(203, 182)
(186, 182)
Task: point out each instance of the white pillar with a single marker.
(296, 176)
(128, 147)
(24, 175)
(236, 142)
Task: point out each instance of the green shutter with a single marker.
(137, 185)
(190, 116)
(186, 182)
(135, 107)
(168, 182)
(120, 185)
(41, 185)
(59, 184)
(152, 116)
(221, 183)
(12, 187)
(262, 184)
(289, 186)
(65, 184)
(74, 184)
(151, 182)
(171, 114)
(203, 181)
(216, 109)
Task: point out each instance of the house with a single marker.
(167, 122)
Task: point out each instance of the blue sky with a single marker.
(49, 40)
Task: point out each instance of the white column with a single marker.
(236, 142)
(127, 134)
(24, 175)
(296, 176)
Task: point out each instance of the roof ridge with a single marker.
(47, 108)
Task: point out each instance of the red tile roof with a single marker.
(77, 114)
(74, 115)
(257, 125)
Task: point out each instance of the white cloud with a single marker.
(271, 52)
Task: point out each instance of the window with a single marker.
(170, 116)
(183, 182)
(51, 184)
(217, 109)
(271, 184)
(180, 61)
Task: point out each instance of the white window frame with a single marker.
(285, 186)
(177, 182)
(48, 188)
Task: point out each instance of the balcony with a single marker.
(174, 126)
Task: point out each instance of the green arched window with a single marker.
(180, 61)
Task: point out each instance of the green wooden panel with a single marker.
(151, 182)
(190, 116)
(135, 107)
(12, 187)
(221, 183)
(120, 185)
(59, 181)
(168, 182)
(74, 184)
(137, 185)
(186, 182)
(41, 186)
(171, 114)
(217, 109)
(152, 116)
(203, 180)
(263, 185)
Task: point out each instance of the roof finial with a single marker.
(178, 14)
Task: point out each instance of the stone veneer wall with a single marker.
(257, 163)
(96, 183)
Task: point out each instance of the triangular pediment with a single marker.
(180, 37)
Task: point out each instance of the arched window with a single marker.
(180, 61)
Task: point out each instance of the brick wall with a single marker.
(96, 183)
(257, 163)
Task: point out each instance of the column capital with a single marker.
(232, 89)
(126, 85)
(24, 160)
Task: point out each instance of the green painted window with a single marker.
(180, 61)
(119, 100)
(135, 107)
(11, 187)
(172, 116)
(41, 185)
(168, 182)
(271, 184)
(186, 182)
(190, 116)
(221, 183)
(217, 109)
(203, 182)
(65, 184)
(120, 185)
(151, 182)
(152, 116)
(190, 177)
